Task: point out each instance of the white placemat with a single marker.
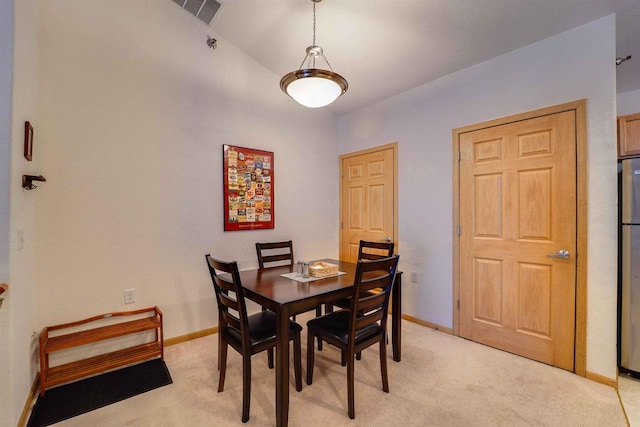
(294, 276)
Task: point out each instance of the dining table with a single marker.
(287, 297)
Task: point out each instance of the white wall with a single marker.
(20, 303)
(133, 111)
(572, 65)
(628, 103)
(6, 83)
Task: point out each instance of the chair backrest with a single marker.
(275, 252)
(367, 307)
(375, 250)
(232, 309)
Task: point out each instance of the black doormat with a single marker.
(70, 400)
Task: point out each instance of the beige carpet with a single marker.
(629, 390)
(442, 381)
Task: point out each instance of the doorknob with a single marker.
(563, 254)
(387, 239)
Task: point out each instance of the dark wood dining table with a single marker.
(287, 297)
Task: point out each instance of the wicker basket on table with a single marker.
(321, 269)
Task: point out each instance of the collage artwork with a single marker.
(248, 188)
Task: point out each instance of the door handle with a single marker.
(386, 239)
(563, 254)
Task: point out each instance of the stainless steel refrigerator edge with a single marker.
(630, 267)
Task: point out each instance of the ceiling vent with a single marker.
(204, 10)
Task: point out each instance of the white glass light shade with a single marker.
(314, 92)
(312, 87)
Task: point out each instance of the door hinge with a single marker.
(459, 156)
(341, 225)
(459, 230)
(458, 304)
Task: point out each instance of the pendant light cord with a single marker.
(314, 23)
(314, 31)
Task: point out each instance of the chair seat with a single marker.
(336, 325)
(262, 328)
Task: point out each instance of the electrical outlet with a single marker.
(129, 296)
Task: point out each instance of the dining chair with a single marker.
(368, 251)
(375, 250)
(247, 334)
(276, 253)
(360, 326)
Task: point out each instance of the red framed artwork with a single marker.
(248, 188)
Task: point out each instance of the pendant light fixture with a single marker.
(310, 86)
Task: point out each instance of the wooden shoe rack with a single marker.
(53, 339)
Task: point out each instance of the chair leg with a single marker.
(222, 364)
(343, 358)
(310, 356)
(219, 347)
(270, 358)
(383, 366)
(297, 360)
(351, 386)
(359, 355)
(246, 387)
(318, 314)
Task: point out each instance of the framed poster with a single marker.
(248, 188)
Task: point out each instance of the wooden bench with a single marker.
(66, 372)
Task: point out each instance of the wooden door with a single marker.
(368, 202)
(517, 213)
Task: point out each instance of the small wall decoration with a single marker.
(248, 188)
(28, 141)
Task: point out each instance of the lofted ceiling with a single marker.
(385, 47)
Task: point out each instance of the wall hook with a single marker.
(27, 181)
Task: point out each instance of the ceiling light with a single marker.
(310, 86)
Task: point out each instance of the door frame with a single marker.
(394, 147)
(579, 108)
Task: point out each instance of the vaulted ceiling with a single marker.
(385, 47)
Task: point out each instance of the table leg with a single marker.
(282, 367)
(396, 318)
